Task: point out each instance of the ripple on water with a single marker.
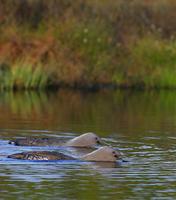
(149, 166)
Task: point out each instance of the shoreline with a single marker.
(88, 88)
(88, 45)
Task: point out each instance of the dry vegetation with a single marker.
(87, 43)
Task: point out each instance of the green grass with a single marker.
(156, 60)
(83, 43)
(150, 63)
(23, 76)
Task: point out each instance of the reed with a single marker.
(23, 76)
(87, 43)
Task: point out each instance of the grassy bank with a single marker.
(87, 43)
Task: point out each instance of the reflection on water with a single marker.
(141, 124)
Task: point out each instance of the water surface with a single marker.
(142, 125)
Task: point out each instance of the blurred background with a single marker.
(87, 43)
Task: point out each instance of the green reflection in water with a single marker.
(104, 112)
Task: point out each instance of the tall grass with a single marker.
(23, 76)
(153, 63)
(84, 43)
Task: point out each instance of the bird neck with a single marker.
(75, 142)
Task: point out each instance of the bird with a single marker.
(85, 140)
(103, 154)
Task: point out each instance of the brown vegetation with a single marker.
(88, 43)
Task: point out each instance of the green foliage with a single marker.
(153, 62)
(128, 43)
(23, 76)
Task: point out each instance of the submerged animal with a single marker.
(84, 140)
(103, 154)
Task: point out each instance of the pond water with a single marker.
(142, 125)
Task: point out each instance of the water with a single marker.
(142, 125)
